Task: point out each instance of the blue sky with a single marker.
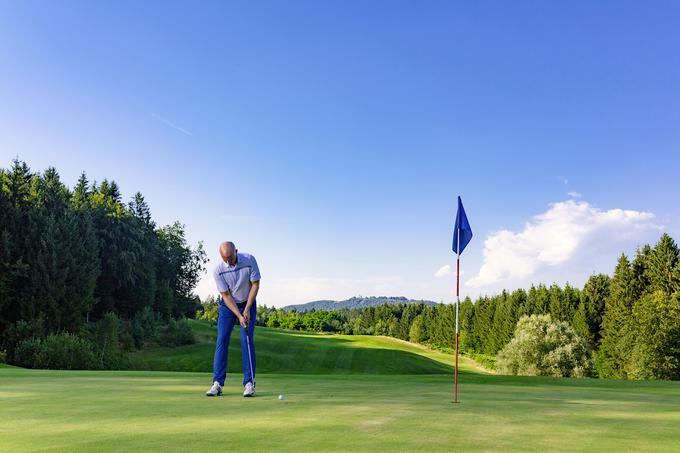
(330, 139)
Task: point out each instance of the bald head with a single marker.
(228, 252)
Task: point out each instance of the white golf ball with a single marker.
(281, 397)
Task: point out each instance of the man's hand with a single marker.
(246, 315)
(243, 321)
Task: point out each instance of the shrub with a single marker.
(148, 322)
(127, 341)
(209, 311)
(105, 337)
(26, 352)
(66, 351)
(20, 331)
(487, 361)
(177, 333)
(137, 332)
(541, 347)
(62, 351)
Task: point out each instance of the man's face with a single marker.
(229, 256)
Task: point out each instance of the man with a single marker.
(238, 280)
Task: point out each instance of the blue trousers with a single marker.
(225, 324)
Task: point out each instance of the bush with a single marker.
(177, 333)
(26, 352)
(127, 341)
(209, 311)
(487, 361)
(20, 331)
(541, 347)
(137, 332)
(148, 322)
(105, 337)
(62, 351)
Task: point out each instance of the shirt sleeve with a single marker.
(220, 282)
(254, 271)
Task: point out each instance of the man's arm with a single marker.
(254, 288)
(231, 305)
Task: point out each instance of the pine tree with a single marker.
(662, 262)
(656, 327)
(582, 326)
(593, 297)
(140, 210)
(615, 347)
(52, 195)
(558, 305)
(640, 273)
(81, 193)
(466, 320)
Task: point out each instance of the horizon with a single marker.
(331, 141)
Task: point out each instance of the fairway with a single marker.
(107, 411)
(279, 351)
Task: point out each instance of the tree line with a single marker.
(74, 259)
(629, 321)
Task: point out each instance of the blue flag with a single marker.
(462, 228)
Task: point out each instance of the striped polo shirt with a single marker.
(237, 279)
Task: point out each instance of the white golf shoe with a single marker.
(249, 390)
(215, 390)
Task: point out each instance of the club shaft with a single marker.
(250, 357)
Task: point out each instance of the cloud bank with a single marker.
(557, 237)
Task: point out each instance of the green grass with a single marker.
(306, 353)
(359, 408)
(154, 411)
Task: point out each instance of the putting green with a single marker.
(342, 393)
(153, 411)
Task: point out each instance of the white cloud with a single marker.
(556, 238)
(574, 194)
(443, 271)
(446, 270)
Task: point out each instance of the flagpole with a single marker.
(455, 385)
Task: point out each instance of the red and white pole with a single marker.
(455, 385)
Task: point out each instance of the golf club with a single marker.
(250, 357)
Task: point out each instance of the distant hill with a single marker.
(355, 302)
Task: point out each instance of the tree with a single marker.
(466, 315)
(582, 326)
(655, 324)
(417, 333)
(68, 258)
(81, 193)
(661, 264)
(139, 209)
(593, 299)
(614, 347)
(542, 347)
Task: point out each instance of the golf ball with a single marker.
(281, 397)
